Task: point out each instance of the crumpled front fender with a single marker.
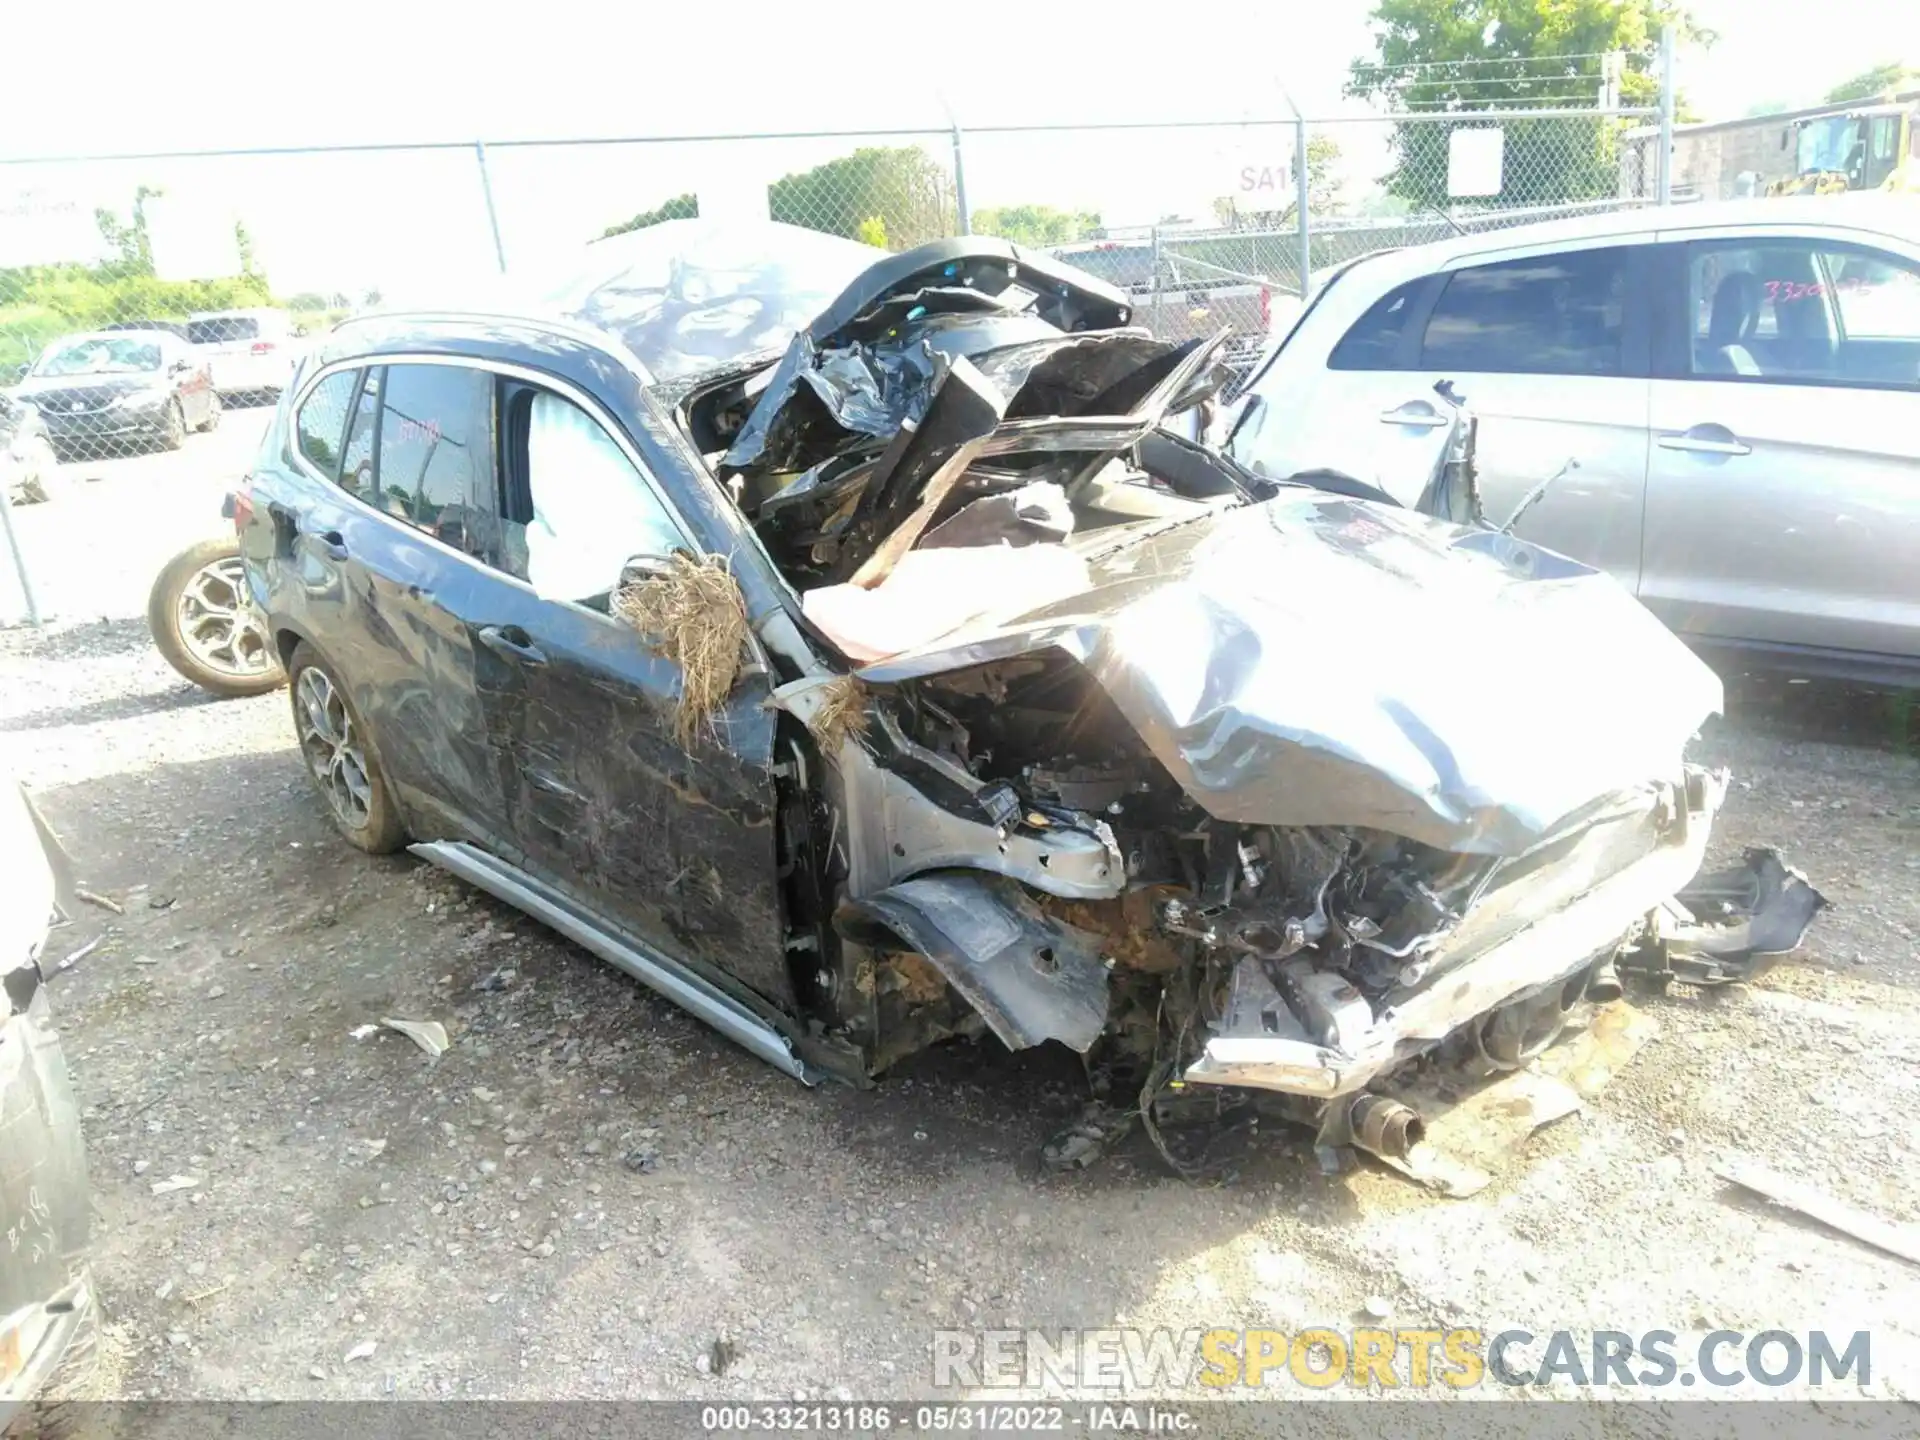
(1031, 977)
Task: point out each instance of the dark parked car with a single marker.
(838, 642)
(114, 392)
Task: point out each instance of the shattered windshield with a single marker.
(692, 296)
(102, 356)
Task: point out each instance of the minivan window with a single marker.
(1798, 311)
(1374, 341)
(222, 330)
(1544, 315)
(435, 445)
(323, 418)
(1878, 295)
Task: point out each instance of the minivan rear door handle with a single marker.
(1705, 440)
(1416, 413)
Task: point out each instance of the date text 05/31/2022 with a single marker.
(962, 1417)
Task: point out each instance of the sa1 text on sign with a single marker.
(1263, 184)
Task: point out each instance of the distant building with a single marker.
(1726, 159)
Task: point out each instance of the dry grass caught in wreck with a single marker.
(841, 713)
(694, 617)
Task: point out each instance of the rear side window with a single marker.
(1374, 341)
(436, 466)
(1545, 315)
(223, 329)
(323, 419)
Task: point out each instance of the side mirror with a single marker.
(180, 367)
(640, 568)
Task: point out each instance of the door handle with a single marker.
(1420, 416)
(512, 641)
(1705, 440)
(330, 543)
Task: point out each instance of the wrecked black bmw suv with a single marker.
(851, 647)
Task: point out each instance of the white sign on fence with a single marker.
(1261, 181)
(44, 227)
(192, 239)
(1475, 160)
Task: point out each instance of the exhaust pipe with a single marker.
(1603, 984)
(1384, 1127)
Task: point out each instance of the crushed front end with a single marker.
(1345, 954)
(1276, 786)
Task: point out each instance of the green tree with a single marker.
(895, 194)
(1871, 84)
(1475, 55)
(680, 207)
(899, 185)
(1036, 224)
(128, 238)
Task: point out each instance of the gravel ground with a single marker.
(588, 1191)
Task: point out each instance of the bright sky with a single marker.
(362, 71)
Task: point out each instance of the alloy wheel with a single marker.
(332, 747)
(217, 625)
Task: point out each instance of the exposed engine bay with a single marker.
(1217, 780)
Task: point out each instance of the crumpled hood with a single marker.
(1316, 660)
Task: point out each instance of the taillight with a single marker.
(243, 504)
(263, 347)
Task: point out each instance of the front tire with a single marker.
(175, 435)
(204, 625)
(340, 758)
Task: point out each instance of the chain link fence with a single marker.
(144, 298)
(139, 301)
(1217, 235)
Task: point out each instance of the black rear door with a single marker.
(383, 534)
(432, 523)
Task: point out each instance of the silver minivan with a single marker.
(1738, 385)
